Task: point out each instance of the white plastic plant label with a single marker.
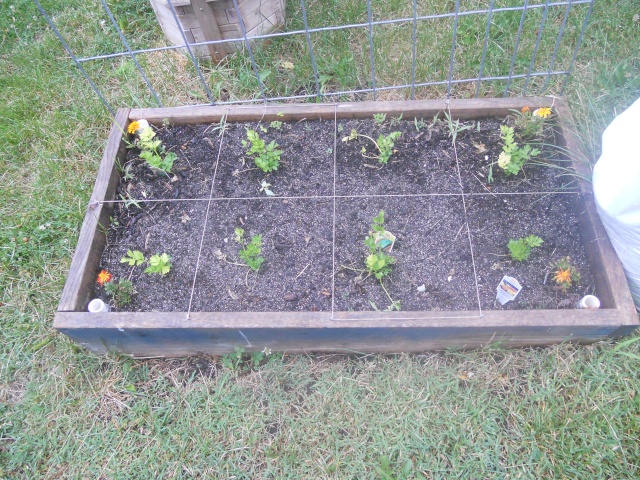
(385, 241)
(508, 289)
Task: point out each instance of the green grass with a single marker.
(561, 412)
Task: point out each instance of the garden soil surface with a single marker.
(450, 250)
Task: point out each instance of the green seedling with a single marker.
(133, 258)
(378, 262)
(124, 171)
(221, 127)
(395, 121)
(384, 145)
(276, 124)
(250, 251)
(159, 263)
(128, 202)
(120, 291)
(379, 118)
(513, 158)
(455, 127)
(266, 156)
(152, 150)
(520, 249)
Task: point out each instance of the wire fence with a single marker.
(375, 50)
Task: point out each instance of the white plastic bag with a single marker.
(616, 186)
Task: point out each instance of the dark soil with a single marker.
(432, 247)
(306, 164)
(493, 221)
(296, 245)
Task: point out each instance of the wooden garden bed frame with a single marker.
(171, 334)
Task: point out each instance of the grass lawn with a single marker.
(559, 412)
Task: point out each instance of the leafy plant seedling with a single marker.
(384, 145)
(276, 124)
(379, 118)
(133, 258)
(250, 252)
(266, 156)
(154, 152)
(520, 249)
(120, 291)
(159, 263)
(378, 262)
(513, 158)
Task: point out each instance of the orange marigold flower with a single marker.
(104, 277)
(543, 112)
(525, 109)
(563, 276)
(134, 127)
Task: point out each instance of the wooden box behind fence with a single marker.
(207, 20)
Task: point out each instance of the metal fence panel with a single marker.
(480, 50)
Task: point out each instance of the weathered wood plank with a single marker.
(352, 320)
(92, 239)
(335, 337)
(209, 25)
(463, 109)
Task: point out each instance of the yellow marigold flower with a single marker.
(104, 277)
(134, 127)
(543, 112)
(563, 276)
(525, 109)
(504, 160)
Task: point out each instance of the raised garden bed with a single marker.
(451, 226)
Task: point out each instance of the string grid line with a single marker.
(206, 217)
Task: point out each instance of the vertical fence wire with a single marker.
(310, 46)
(414, 39)
(371, 53)
(133, 57)
(484, 48)
(515, 48)
(578, 44)
(190, 52)
(254, 65)
(557, 46)
(536, 46)
(453, 48)
(75, 60)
